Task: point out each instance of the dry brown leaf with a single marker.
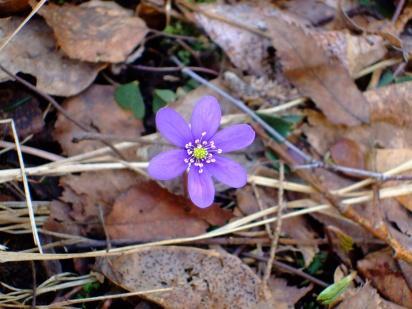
(316, 73)
(366, 297)
(299, 229)
(349, 153)
(383, 272)
(82, 197)
(148, 212)
(23, 108)
(95, 108)
(249, 51)
(33, 51)
(9, 7)
(95, 31)
(199, 278)
(285, 296)
(382, 160)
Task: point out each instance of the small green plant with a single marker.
(129, 97)
(332, 292)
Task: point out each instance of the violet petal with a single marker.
(168, 165)
(228, 172)
(205, 117)
(201, 188)
(173, 127)
(234, 137)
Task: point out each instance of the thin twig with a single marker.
(25, 183)
(106, 232)
(80, 136)
(399, 7)
(23, 23)
(289, 268)
(33, 151)
(172, 69)
(34, 289)
(278, 228)
(239, 104)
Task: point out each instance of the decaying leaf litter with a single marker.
(325, 217)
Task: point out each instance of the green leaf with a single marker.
(386, 79)
(283, 125)
(129, 97)
(332, 292)
(162, 97)
(317, 262)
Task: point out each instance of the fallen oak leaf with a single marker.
(95, 31)
(198, 278)
(148, 212)
(381, 269)
(316, 72)
(34, 52)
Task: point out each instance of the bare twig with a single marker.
(399, 7)
(278, 229)
(23, 23)
(26, 187)
(33, 151)
(34, 289)
(172, 69)
(288, 268)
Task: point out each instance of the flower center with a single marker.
(200, 153)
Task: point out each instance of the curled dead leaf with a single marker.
(33, 51)
(95, 31)
(198, 278)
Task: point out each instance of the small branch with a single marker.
(288, 268)
(33, 151)
(278, 229)
(80, 136)
(239, 104)
(34, 289)
(172, 69)
(399, 7)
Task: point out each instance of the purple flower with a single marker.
(200, 150)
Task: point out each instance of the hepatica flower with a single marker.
(200, 150)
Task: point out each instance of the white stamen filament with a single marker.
(204, 154)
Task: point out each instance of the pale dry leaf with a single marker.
(85, 196)
(198, 278)
(95, 108)
(248, 51)
(33, 51)
(285, 296)
(148, 212)
(382, 160)
(366, 297)
(299, 229)
(95, 31)
(382, 270)
(316, 72)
